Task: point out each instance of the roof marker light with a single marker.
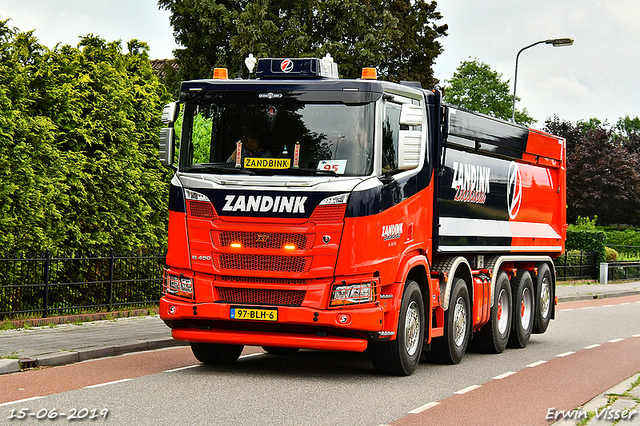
(369, 74)
(220, 74)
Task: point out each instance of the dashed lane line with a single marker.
(424, 407)
(107, 383)
(502, 376)
(182, 368)
(467, 389)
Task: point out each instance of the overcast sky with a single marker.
(599, 76)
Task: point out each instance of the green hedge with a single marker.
(79, 165)
(587, 240)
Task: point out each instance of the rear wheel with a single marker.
(523, 310)
(215, 353)
(544, 299)
(450, 348)
(400, 357)
(494, 335)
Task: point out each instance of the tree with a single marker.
(78, 146)
(477, 87)
(399, 37)
(628, 131)
(603, 175)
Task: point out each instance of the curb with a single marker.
(8, 366)
(67, 319)
(580, 297)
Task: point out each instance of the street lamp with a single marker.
(555, 42)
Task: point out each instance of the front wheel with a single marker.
(400, 357)
(215, 353)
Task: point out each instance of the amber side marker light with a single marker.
(220, 74)
(369, 74)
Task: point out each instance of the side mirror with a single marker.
(168, 134)
(411, 115)
(170, 113)
(166, 149)
(409, 148)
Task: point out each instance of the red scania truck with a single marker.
(309, 211)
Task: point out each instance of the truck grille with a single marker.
(266, 240)
(254, 262)
(259, 296)
(260, 280)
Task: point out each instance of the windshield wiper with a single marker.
(210, 168)
(305, 172)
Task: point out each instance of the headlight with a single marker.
(353, 293)
(178, 285)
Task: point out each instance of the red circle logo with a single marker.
(286, 65)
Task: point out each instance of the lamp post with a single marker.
(555, 42)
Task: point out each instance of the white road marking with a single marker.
(467, 389)
(592, 346)
(615, 340)
(108, 383)
(21, 400)
(537, 363)
(565, 354)
(502, 376)
(182, 368)
(425, 407)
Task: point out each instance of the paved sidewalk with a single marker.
(64, 344)
(571, 293)
(67, 343)
(619, 405)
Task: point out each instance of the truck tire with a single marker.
(451, 347)
(523, 310)
(494, 335)
(400, 357)
(214, 353)
(544, 299)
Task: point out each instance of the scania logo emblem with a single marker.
(326, 239)
(286, 65)
(514, 190)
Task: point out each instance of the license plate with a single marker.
(254, 314)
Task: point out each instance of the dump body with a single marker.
(503, 188)
(317, 213)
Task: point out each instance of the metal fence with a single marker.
(623, 271)
(58, 284)
(579, 265)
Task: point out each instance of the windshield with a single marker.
(271, 138)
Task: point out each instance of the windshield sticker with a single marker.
(267, 163)
(337, 166)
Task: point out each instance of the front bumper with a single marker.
(347, 329)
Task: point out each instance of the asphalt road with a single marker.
(562, 368)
